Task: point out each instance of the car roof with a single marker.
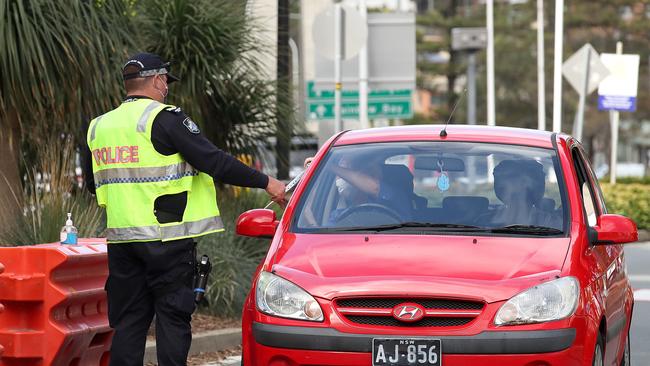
(473, 133)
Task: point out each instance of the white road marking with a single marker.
(640, 245)
(642, 295)
(639, 278)
(230, 361)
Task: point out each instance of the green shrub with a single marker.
(50, 191)
(628, 180)
(631, 200)
(234, 258)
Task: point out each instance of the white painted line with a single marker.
(231, 361)
(639, 278)
(642, 295)
(640, 245)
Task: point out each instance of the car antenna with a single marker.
(443, 133)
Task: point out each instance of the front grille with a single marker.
(455, 313)
(380, 303)
(386, 321)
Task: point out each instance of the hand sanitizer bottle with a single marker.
(69, 232)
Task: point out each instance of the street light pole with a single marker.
(557, 66)
(541, 88)
(363, 72)
(471, 87)
(614, 116)
(490, 63)
(338, 57)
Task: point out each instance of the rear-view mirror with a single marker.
(435, 162)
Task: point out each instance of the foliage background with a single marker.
(599, 22)
(60, 64)
(631, 200)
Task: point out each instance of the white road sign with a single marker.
(575, 67)
(619, 90)
(355, 32)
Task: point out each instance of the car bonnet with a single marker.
(491, 268)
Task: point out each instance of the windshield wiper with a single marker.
(527, 229)
(410, 224)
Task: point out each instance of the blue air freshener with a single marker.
(443, 182)
(443, 178)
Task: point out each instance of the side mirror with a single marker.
(257, 223)
(613, 229)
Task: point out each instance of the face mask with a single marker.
(162, 93)
(341, 185)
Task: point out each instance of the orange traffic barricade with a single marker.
(55, 309)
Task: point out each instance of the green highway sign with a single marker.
(392, 104)
(388, 109)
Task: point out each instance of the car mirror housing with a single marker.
(613, 229)
(257, 223)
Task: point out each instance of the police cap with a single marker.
(149, 64)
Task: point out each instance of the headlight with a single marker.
(549, 301)
(279, 297)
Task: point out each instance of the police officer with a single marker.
(153, 171)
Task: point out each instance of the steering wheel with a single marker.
(364, 209)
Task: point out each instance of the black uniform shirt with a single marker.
(174, 132)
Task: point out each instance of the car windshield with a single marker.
(435, 186)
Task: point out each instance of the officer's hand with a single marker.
(275, 189)
(308, 161)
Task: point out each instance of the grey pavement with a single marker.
(231, 361)
(216, 340)
(637, 257)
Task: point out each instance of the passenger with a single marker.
(520, 185)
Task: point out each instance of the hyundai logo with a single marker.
(408, 312)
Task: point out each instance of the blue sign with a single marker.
(617, 92)
(616, 103)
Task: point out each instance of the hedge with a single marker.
(631, 200)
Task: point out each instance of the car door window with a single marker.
(588, 202)
(593, 182)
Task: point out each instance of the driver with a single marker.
(363, 182)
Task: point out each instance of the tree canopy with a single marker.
(601, 23)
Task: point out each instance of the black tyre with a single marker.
(599, 352)
(627, 360)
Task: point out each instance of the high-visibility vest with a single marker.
(130, 174)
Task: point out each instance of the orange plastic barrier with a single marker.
(54, 305)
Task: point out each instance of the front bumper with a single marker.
(291, 346)
(487, 342)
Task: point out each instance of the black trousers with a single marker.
(146, 279)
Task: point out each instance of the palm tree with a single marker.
(215, 51)
(58, 65)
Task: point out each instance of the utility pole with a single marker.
(284, 130)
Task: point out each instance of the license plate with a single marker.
(406, 352)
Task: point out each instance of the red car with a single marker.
(408, 246)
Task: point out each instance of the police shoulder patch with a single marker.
(191, 126)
